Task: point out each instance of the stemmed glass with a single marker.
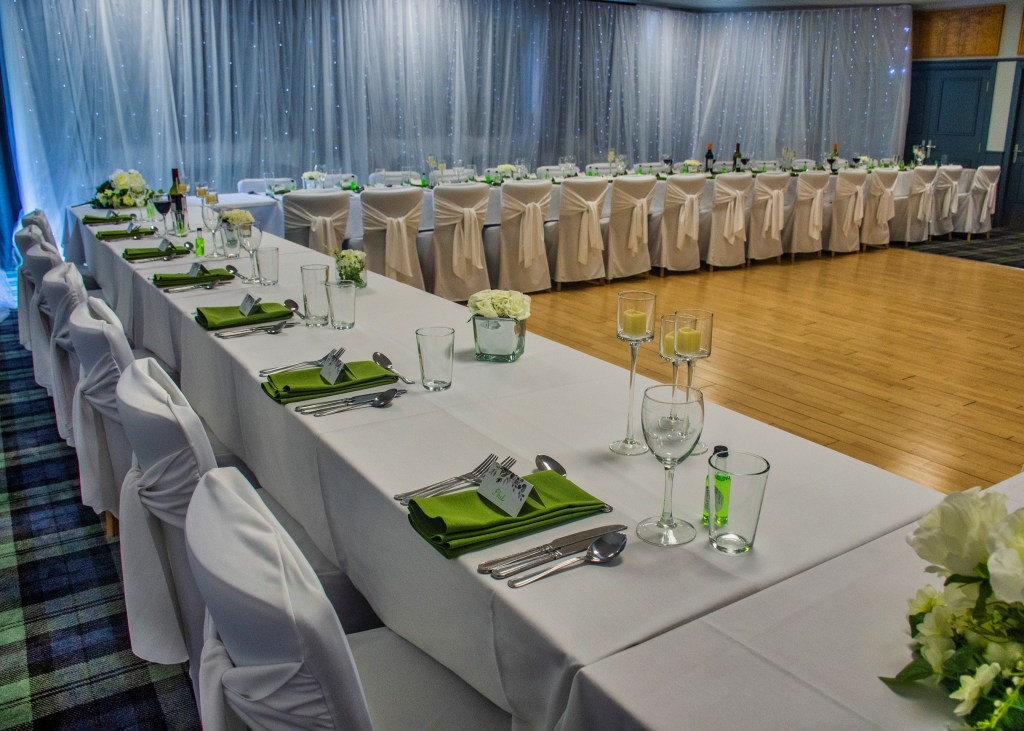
(692, 343)
(672, 420)
(212, 221)
(162, 203)
(249, 238)
(635, 325)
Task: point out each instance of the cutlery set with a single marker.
(379, 399)
(266, 329)
(574, 543)
(452, 484)
(318, 363)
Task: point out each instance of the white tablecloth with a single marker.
(336, 474)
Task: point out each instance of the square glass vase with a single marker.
(498, 339)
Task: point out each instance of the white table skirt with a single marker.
(336, 474)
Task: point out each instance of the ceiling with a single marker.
(712, 5)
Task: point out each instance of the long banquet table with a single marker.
(520, 648)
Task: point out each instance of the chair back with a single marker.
(727, 242)
(628, 225)
(172, 451)
(460, 212)
(678, 247)
(276, 655)
(63, 290)
(767, 215)
(316, 218)
(808, 217)
(879, 207)
(579, 256)
(265, 185)
(40, 258)
(391, 220)
(848, 210)
(916, 215)
(946, 199)
(38, 218)
(523, 262)
(24, 239)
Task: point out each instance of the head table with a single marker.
(522, 648)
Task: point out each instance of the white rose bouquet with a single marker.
(969, 636)
(122, 189)
(351, 263)
(506, 169)
(500, 303)
(314, 175)
(236, 217)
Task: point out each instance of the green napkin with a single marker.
(303, 385)
(464, 521)
(174, 280)
(149, 252)
(215, 318)
(123, 233)
(91, 220)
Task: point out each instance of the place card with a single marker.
(250, 305)
(332, 370)
(506, 490)
(197, 270)
(165, 246)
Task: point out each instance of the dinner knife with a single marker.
(557, 544)
(360, 399)
(247, 331)
(511, 569)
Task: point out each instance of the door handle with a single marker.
(1016, 151)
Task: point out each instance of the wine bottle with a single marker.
(709, 159)
(736, 159)
(177, 202)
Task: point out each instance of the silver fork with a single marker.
(475, 473)
(303, 364)
(506, 463)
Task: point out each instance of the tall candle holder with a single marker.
(634, 325)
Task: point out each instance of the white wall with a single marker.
(1003, 91)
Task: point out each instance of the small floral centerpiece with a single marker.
(122, 189)
(506, 170)
(313, 179)
(695, 166)
(499, 324)
(351, 265)
(236, 217)
(237, 221)
(969, 636)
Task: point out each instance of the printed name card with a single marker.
(332, 370)
(197, 270)
(165, 245)
(506, 490)
(250, 305)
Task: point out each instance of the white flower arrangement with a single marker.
(693, 164)
(236, 217)
(122, 189)
(969, 636)
(351, 263)
(506, 169)
(314, 175)
(500, 303)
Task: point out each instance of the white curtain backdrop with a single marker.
(241, 88)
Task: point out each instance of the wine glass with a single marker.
(693, 342)
(212, 221)
(249, 238)
(635, 325)
(672, 420)
(162, 203)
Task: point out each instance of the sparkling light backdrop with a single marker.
(239, 88)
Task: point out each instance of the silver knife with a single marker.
(557, 544)
(510, 569)
(360, 399)
(247, 330)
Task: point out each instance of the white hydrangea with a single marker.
(973, 686)
(500, 303)
(1006, 564)
(954, 534)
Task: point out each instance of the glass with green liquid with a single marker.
(721, 494)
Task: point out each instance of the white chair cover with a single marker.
(394, 216)
(678, 247)
(24, 239)
(523, 262)
(977, 206)
(848, 211)
(38, 219)
(460, 212)
(628, 233)
(316, 218)
(767, 215)
(915, 211)
(879, 207)
(104, 452)
(388, 177)
(947, 182)
(580, 244)
(727, 242)
(259, 185)
(63, 290)
(41, 258)
(804, 233)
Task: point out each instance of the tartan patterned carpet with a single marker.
(1005, 247)
(65, 658)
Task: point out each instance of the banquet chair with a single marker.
(605, 169)
(41, 258)
(678, 247)
(522, 256)
(388, 178)
(316, 219)
(767, 216)
(38, 218)
(579, 248)
(913, 212)
(947, 200)
(879, 207)
(276, 656)
(24, 239)
(63, 290)
(806, 226)
(259, 186)
(341, 180)
(847, 211)
(977, 206)
(628, 252)
(391, 220)
(460, 212)
(728, 239)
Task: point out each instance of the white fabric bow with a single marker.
(590, 226)
(63, 360)
(639, 207)
(988, 203)
(688, 216)
(468, 241)
(399, 252)
(945, 186)
(531, 229)
(326, 232)
(735, 218)
(95, 396)
(774, 200)
(886, 208)
(805, 191)
(855, 211)
(925, 190)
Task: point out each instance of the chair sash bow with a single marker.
(925, 192)
(399, 252)
(945, 190)
(774, 200)
(590, 225)
(885, 210)
(688, 214)
(806, 191)
(531, 229)
(734, 227)
(467, 241)
(639, 209)
(854, 213)
(95, 396)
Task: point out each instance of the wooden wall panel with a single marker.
(958, 32)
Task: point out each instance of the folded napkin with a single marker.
(123, 233)
(133, 254)
(303, 385)
(174, 280)
(215, 318)
(91, 220)
(464, 521)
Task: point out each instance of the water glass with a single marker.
(267, 264)
(342, 295)
(736, 482)
(436, 346)
(315, 300)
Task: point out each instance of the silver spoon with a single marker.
(383, 400)
(232, 269)
(602, 550)
(545, 462)
(385, 362)
(294, 307)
